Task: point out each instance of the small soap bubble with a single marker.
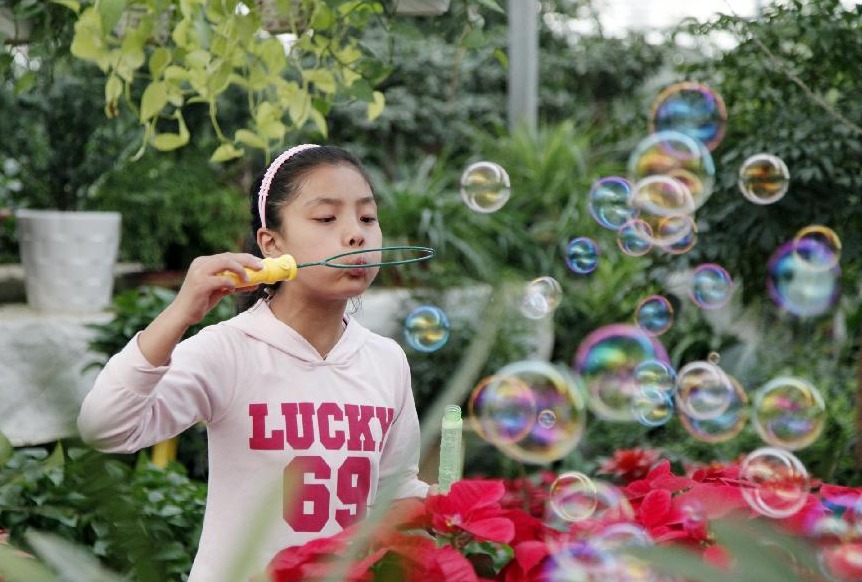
(485, 187)
(426, 328)
(789, 413)
(841, 562)
(555, 391)
(661, 195)
(724, 427)
(711, 286)
(694, 109)
(575, 561)
(655, 374)
(541, 297)
(654, 314)
(678, 156)
(775, 483)
(609, 202)
(582, 255)
(634, 238)
(503, 409)
(704, 391)
(652, 407)
(573, 496)
(818, 247)
(797, 287)
(676, 235)
(547, 419)
(763, 179)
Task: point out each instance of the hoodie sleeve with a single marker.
(400, 459)
(134, 404)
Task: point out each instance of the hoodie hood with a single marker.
(260, 323)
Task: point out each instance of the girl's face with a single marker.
(333, 212)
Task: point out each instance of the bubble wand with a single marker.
(285, 267)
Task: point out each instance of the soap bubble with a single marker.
(661, 195)
(676, 235)
(573, 496)
(711, 286)
(654, 314)
(503, 409)
(541, 297)
(818, 247)
(547, 419)
(607, 359)
(485, 187)
(575, 561)
(426, 328)
(634, 238)
(724, 427)
(703, 390)
(763, 179)
(582, 255)
(841, 562)
(692, 108)
(798, 288)
(558, 392)
(789, 413)
(652, 407)
(609, 202)
(655, 374)
(774, 482)
(675, 155)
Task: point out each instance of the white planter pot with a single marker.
(68, 258)
(422, 7)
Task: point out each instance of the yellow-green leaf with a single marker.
(153, 100)
(319, 121)
(159, 61)
(375, 108)
(170, 141)
(70, 4)
(113, 89)
(225, 152)
(250, 139)
(323, 80)
(110, 12)
(6, 449)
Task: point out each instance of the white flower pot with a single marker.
(422, 7)
(68, 258)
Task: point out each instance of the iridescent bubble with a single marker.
(841, 562)
(607, 359)
(774, 482)
(541, 297)
(724, 427)
(763, 179)
(661, 195)
(622, 535)
(573, 496)
(655, 374)
(711, 286)
(503, 409)
(426, 328)
(575, 561)
(609, 202)
(693, 514)
(675, 155)
(582, 255)
(681, 230)
(554, 390)
(547, 419)
(634, 238)
(692, 108)
(485, 187)
(818, 247)
(789, 413)
(652, 407)
(654, 314)
(798, 288)
(703, 390)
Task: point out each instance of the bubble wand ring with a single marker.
(285, 267)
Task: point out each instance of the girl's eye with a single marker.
(369, 219)
(325, 219)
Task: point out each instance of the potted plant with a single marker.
(58, 149)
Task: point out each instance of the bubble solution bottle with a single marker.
(449, 470)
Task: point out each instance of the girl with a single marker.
(308, 413)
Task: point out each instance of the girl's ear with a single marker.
(269, 242)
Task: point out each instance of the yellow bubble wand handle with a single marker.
(274, 269)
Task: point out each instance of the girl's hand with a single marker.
(205, 284)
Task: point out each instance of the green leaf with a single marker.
(250, 139)
(225, 152)
(110, 12)
(76, 563)
(6, 449)
(70, 4)
(679, 562)
(17, 567)
(159, 61)
(113, 89)
(491, 5)
(375, 108)
(319, 121)
(323, 80)
(474, 39)
(170, 141)
(56, 459)
(153, 100)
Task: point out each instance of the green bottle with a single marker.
(450, 448)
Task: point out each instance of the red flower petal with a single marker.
(655, 507)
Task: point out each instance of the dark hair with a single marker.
(285, 185)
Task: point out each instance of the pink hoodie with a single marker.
(298, 445)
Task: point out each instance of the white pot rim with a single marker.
(67, 214)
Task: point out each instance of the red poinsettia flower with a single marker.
(472, 506)
(420, 560)
(316, 560)
(842, 562)
(630, 464)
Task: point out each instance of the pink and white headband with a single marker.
(270, 174)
